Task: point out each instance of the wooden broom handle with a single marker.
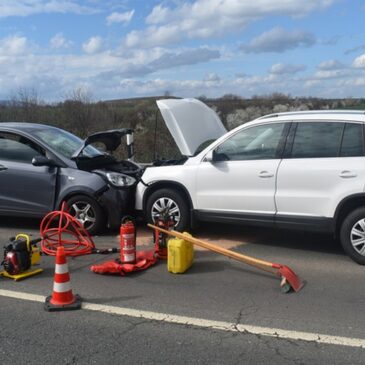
(234, 255)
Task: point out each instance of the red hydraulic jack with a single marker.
(289, 280)
(164, 221)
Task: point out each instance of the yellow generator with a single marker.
(180, 255)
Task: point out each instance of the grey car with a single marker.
(42, 166)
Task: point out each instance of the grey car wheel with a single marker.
(87, 211)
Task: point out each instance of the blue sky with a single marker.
(127, 48)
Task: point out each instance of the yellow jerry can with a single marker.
(180, 255)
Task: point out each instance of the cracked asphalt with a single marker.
(215, 288)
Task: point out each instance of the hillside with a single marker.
(82, 116)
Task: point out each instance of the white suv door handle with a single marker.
(265, 174)
(346, 174)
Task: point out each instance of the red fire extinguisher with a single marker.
(127, 240)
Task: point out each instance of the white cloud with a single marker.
(359, 62)
(152, 62)
(355, 49)
(159, 86)
(93, 45)
(187, 57)
(282, 68)
(154, 36)
(331, 74)
(212, 18)
(353, 82)
(212, 77)
(123, 18)
(30, 7)
(279, 40)
(13, 45)
(110, 75)
(59, 41)
(158, 15)
(331, 65)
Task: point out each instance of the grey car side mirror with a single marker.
(43, 161)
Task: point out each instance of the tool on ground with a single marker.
(61, 228)
(62, 297)
(127, 239)
(289, 278)
(163, 220)
(180, 255)
(20, 254)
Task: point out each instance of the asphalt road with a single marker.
(263, 324)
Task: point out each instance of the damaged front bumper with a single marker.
(117, 203)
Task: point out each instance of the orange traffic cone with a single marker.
(62, 297)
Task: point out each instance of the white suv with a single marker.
(303, 170)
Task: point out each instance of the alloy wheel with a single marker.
(357, 237)
(168, 206)
(84, 213)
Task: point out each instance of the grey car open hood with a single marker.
(111, 139)
(190, 123)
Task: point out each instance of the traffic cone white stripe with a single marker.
(62, 297)
(61, 287)
(61, 269)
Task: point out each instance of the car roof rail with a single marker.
(310, 112)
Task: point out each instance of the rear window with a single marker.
(317, 139)
(353, 140)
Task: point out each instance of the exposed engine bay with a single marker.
(97, 153)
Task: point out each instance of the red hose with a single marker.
(59, 228)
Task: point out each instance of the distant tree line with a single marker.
(81, 115)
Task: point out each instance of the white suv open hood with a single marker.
(190, 122)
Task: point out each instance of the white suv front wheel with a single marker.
(170, 202)
(352, 235)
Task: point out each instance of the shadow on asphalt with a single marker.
(207, 266)
(300, 240)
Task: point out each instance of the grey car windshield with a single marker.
(65, 143)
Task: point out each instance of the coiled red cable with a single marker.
(59, 228)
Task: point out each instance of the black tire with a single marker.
(179, 201)
(347, 236)
(92, 210)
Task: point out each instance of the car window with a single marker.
(17, 148)
(353, 140)
(317, 139)
(64, 143)
(255, 143)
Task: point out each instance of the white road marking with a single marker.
(204, 323)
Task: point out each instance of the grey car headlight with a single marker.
(120, 180)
